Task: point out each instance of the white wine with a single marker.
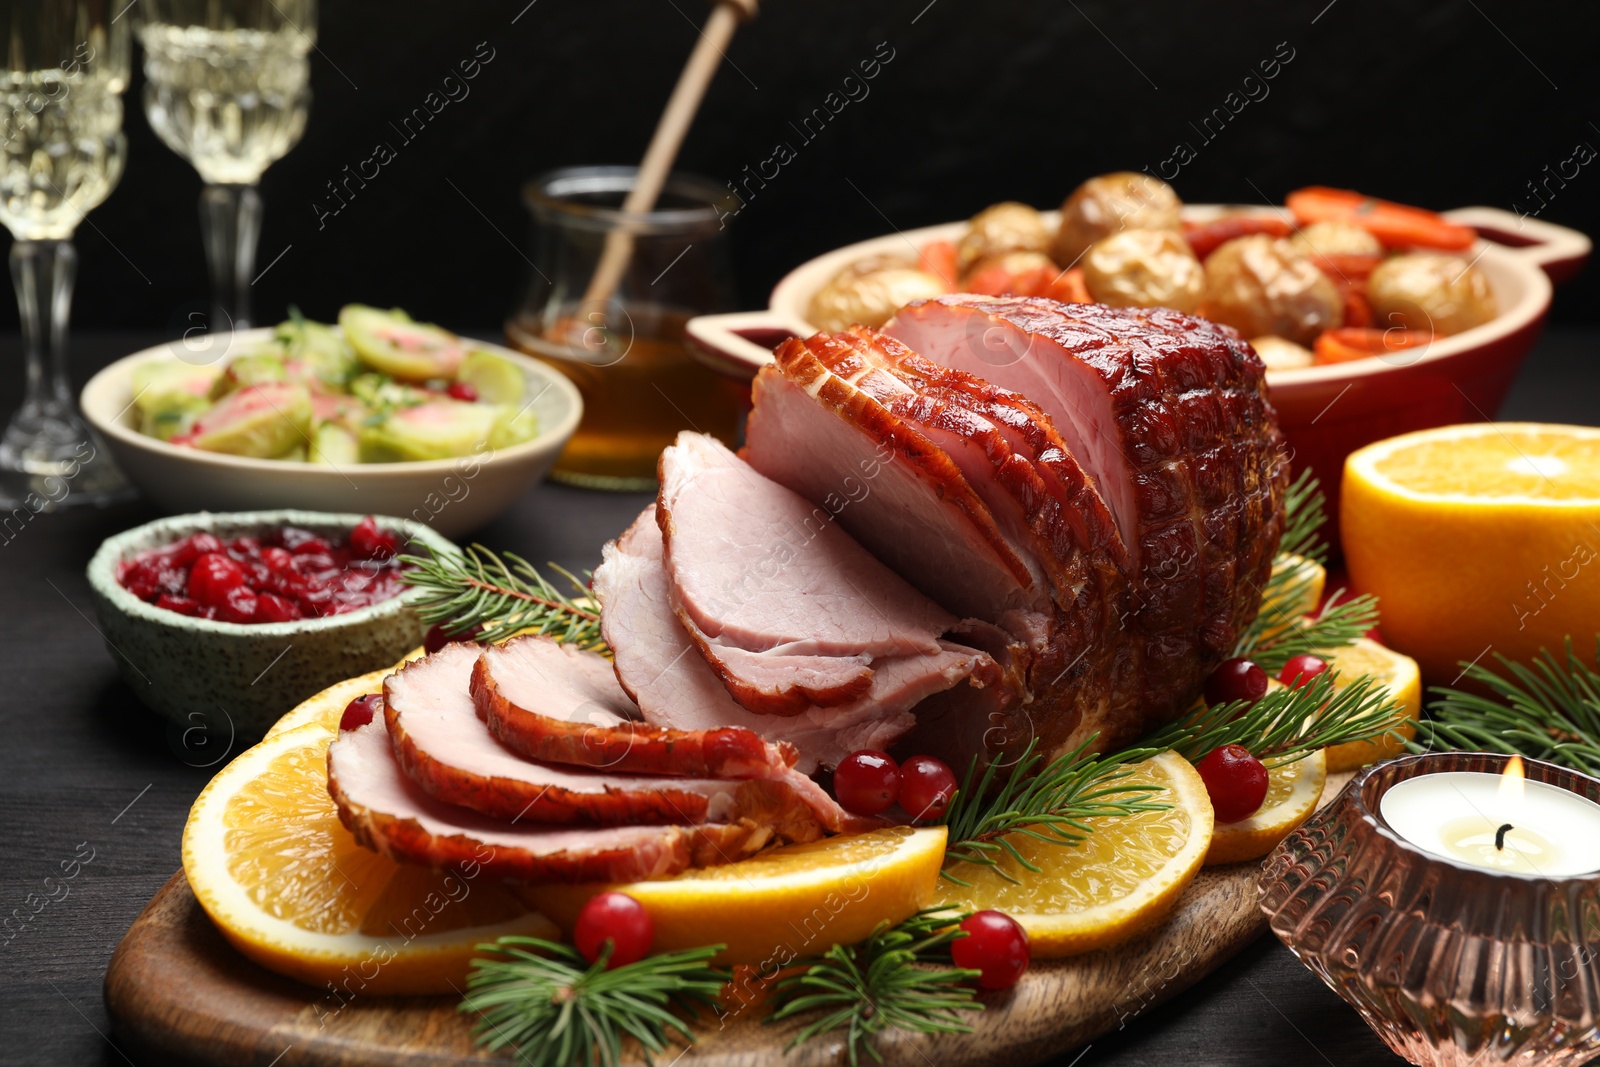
(63, 149)
(229, 101)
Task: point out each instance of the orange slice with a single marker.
(1123, 879)
(793, 901)
(269, 861)
(1292, 794)
(1400, 675)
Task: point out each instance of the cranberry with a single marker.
(996, 945)
(1301, 670)
(311, 545)
(369, 542)
(926, 786)
(616, 918)
(866, 782)
(436, 638)
(245, 547)
(277, 559)
(215, 576)
(238, 605)
(360, 711)
(462, 391)
(1236, 781)
(194, 546)
(1236, 679)
(273, 608)
(181, 604)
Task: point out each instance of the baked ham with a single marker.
(1168, 415)
(390, 814)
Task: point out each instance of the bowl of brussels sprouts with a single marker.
(377, 413)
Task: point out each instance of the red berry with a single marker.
(215, 576)
(619, 919)
(360, 711)
(1236, 781)
(1236, 679)
(369, 542)
(273, 608)
(238, 605)
(436, 638)
(312, 545)
(996, 945)
(926, 786)
(462, 391)
(181, 604)
(194, 546)
(1301, 670)
(866, 782)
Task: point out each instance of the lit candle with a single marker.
(1500, 822)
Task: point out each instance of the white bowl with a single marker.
(454, 496)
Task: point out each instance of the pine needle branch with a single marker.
(1548, 709)
(555, 1009)
(899, 977)
(501, 596)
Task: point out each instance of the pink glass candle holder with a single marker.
(1448, 962)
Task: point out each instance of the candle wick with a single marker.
(1500, 837)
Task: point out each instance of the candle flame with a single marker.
(1511, 783)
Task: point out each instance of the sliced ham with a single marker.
(442, 746)
(661, 669)
(560, 704)
(389, 814)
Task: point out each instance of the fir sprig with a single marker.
(558, 1010)
(501, 596)
(1338, 624)
(1052, 805)
(1548, 710)
(899, 977)
(1056, 804)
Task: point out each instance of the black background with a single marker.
(1436, 103)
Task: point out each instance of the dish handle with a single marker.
(1560, 250)
(740, 343)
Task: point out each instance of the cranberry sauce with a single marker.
(284, 574)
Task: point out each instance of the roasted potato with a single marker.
(1260, 285)
(1279, 354)
(870, 298)
(1430, 291)
(1002, 228)
(1335, 239)
(1144, 268)
(1126, 200)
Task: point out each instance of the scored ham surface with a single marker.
(675, 688)
(444, 747)
(560, 704)
(389, 814)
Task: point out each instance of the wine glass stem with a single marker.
(230, 221)
(43, 273)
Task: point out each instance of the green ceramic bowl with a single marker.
(228, 679)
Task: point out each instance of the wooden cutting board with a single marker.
(179, 994)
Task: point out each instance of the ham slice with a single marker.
(442, 746)
(661, 669)
(388, 813)
(559, 704)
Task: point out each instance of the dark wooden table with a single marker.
(83, 763)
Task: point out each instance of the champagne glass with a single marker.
(63, 72)
(227, 87)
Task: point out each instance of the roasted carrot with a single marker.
(1069, 287)
(1357, 308)
(941, 258)
(992, 280)
(1206, 237)
(1345, 267)
(1396, 225)
(1352, 342)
